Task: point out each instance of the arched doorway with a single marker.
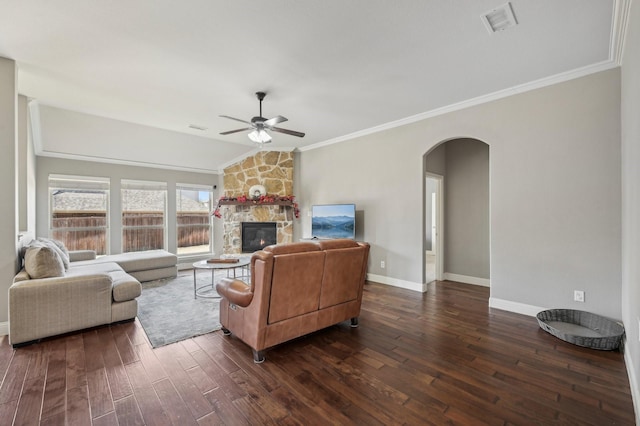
(460, 243)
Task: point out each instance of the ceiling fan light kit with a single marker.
(259, 125)
(260, 136)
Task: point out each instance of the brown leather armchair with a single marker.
(295, 289)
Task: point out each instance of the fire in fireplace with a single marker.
(258, 235)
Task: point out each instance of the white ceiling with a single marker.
(334, 68)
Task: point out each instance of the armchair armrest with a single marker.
(235, 291)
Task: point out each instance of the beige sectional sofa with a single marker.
(88, 292)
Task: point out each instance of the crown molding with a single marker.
(36, 129)
(532, 85)
(621, 11)
(108, 160)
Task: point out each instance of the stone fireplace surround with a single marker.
(273, 170)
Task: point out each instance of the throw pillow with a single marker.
(43, 262)
(59, 247)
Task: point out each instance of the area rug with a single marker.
(169, 313)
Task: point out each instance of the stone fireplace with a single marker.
(274, 171)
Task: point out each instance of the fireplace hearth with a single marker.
(258, 235)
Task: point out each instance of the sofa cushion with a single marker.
(92, 268)
(125, 287)
(59, 247)
(144, 260)
(55, 245)
(338, 243)
(292, 248)
(296, 281)
(43, 262)
(77, 255)
(137, 261)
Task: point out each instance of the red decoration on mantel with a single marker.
(243, 200)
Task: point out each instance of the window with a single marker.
(193, 220)
(79, 207)
(143, 215)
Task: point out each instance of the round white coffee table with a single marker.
(208, 290)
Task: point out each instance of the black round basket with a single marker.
(582, 328)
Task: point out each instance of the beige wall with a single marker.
(631, 201)
(554, 189)
(63, 131)
(466, 209)
(9, 183)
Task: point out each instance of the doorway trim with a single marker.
(439, 223)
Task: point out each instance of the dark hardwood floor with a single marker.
(437, 358)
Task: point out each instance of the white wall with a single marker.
(631, 201)
(48, 165)
(555, 192)
(8, 183)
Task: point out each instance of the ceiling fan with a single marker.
(259, 125)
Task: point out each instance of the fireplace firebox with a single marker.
(258, 235)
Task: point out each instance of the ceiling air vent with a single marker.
(499, 19)
(196, 127)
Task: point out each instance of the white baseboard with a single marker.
(633, 383)
(4, 328)
(395, 282)
(517, 307)
(448, 276)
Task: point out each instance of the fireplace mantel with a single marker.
(286, 203)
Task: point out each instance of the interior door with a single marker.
(434, 253)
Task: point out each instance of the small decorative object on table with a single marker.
(225, 260)
(582, 328)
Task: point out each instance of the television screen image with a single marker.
(333, 221)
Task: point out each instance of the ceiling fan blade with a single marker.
(275, 120)
(236, 131)
(288, 132)
(237, 119)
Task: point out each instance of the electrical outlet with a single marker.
(382, 264)
(578, 295)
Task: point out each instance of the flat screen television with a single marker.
(333, 221)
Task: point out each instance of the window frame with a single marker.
(199, 188)
(143, 185)
(79, 183)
